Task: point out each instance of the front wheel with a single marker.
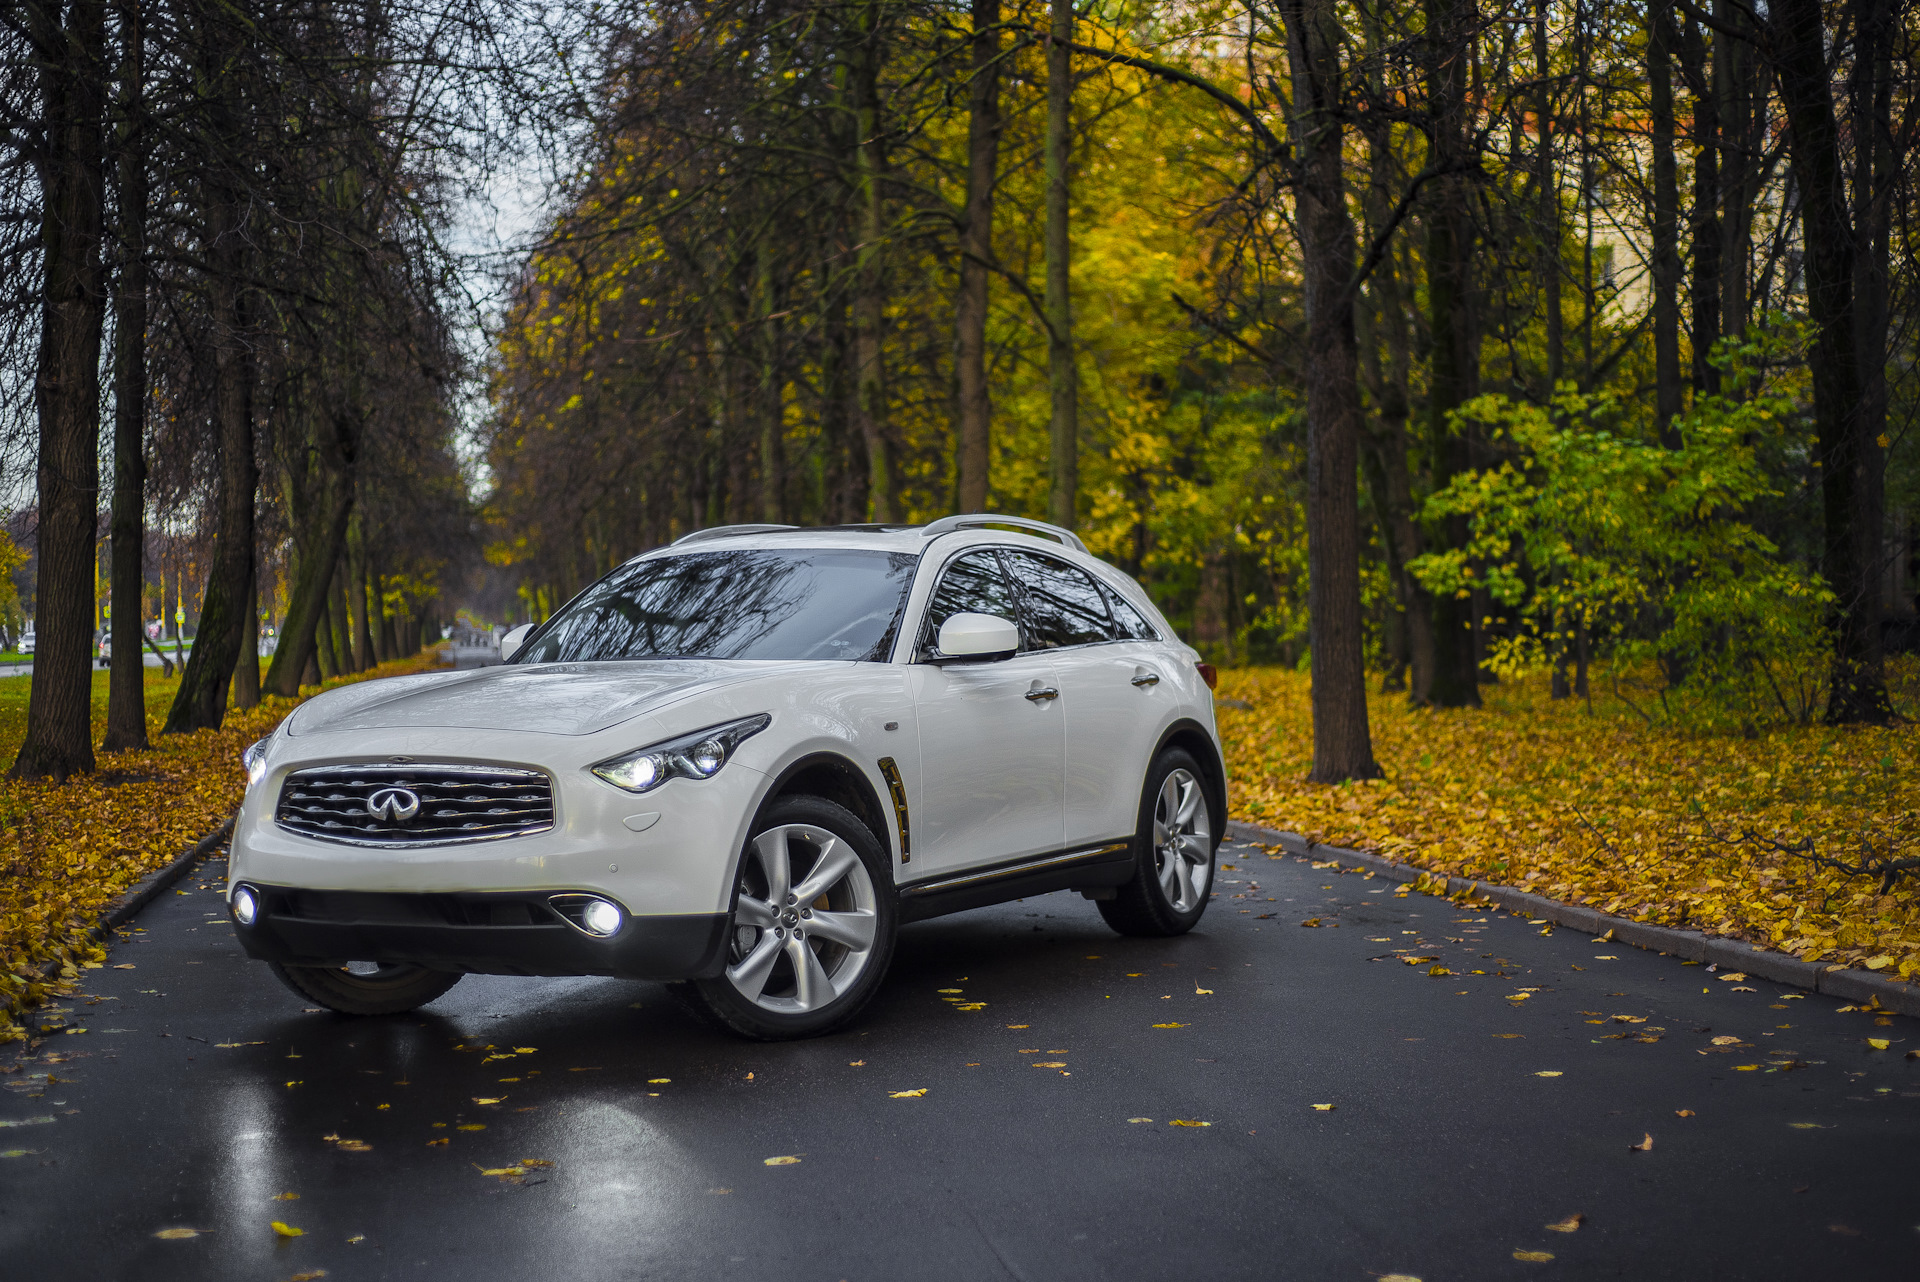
(366, 988)
(812, 930)
(1173, 850)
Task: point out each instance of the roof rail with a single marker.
(728, 531)
(978, 520)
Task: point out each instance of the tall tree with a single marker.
(1849, 456)
(70, 45)
(1063, 371)
(1454, 369)
(975, 445)
(126, 684)
(1342, 741)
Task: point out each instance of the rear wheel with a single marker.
(367, 988)
(812, 929)
(1174, 853)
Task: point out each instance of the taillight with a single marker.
(1209, 675)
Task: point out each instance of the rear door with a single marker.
(1110, 692)
(992, 741)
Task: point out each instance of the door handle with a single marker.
(1147, 679)
(1042, 695)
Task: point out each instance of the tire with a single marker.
(806, 966)
(1173, 849)
(382, 990)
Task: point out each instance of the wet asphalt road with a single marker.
(1464, 1120)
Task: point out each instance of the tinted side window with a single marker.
(1063, 605)
(1128, 622)
(971, 584)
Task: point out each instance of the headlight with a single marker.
(693, 756)
(255, 760)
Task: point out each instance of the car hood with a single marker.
(545, 698)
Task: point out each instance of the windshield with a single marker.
(807, 603)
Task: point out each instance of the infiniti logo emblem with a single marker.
(395, 805)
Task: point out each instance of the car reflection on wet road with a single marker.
(1030, 1096)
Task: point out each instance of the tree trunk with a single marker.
(1454, 681)
(1063, 374)
(313, 571)
(355, 571)
(1549, 264)
(201, 701)
(1850, 460)
(383, 651)
(1704, 226)
(1342, 740)
(66, 390)
(126, 683)
(246, 673)
(1666, 225)
(976, 251)
(870, 295)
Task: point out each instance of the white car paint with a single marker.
(990, 775)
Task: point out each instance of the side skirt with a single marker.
(1085, 867)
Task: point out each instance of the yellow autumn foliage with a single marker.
(1603, 809)
(67, 851)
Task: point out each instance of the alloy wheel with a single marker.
(804, 920)
(1182, 840)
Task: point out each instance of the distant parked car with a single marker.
(105, 656)
(26, 642)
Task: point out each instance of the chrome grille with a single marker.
(456, 803)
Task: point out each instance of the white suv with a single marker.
(742, 762)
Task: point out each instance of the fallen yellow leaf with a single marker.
(286, 1197)
(1533, 1257)
(494, 1099)
(658, 1081)
(287, 1230)
(178, 1235)
(1879, 1043)
(1169, 1025)
(781, 1161)
(1549, 1072)
(1139, 1119)
(1683, 1112)
(1323, 1108)
(916, 1093)
(1568, 1225)
(1050, 1063)
(1180, 1121)
(1644, 1146)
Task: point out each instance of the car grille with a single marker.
(452, 804)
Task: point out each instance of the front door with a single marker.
(992, 742)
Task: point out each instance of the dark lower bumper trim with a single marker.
(440, 933)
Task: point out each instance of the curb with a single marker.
(148, 888)
(144, 892)
(1756, 959)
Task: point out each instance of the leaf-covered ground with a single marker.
(1600, 808)
(68, 850)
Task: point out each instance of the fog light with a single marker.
(601, 917)
(246, 905)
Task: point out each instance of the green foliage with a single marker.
(1653, 547)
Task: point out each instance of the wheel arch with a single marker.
(836, 778)
(1191, 735)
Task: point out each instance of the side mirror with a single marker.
(978, 636)
(510, 644)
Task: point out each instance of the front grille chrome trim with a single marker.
(472, 802)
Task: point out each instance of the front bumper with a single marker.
(479, 933)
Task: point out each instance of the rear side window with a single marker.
(971, 584)
(1063, 605)
(1128, 622)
